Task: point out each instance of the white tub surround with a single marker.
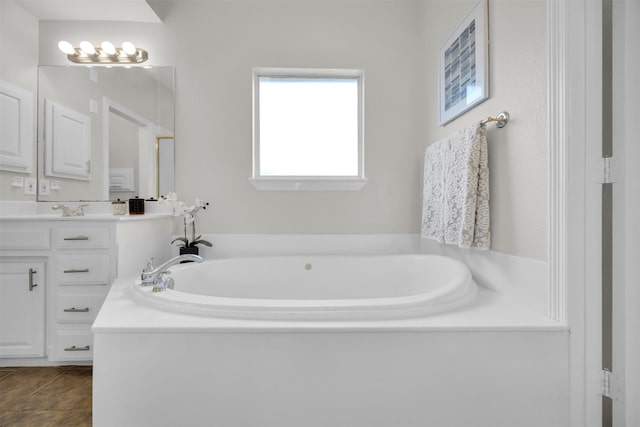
(399, 372)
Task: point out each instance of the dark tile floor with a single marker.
(45, 396)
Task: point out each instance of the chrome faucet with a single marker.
(158, 276)
(67, 211)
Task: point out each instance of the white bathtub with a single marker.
(196, 349)
(316, 287)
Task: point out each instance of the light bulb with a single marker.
(108, 48)
(87, 48)
(129, 48)
(66, 47)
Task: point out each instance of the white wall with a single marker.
(518, 84)
(215, 44)
(18, 66)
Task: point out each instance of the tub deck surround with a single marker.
(305, 287)
(122, 313)
(505, 365)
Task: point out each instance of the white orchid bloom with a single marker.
(189, 218)
(169, 199)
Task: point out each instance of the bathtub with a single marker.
(323, 340)
(316, 287)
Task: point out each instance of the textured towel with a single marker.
(456, 190)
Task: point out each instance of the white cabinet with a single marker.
(22, 309)
(71, 264)
(67, 133)
(83, 267)
(16, 129)
(47, 306)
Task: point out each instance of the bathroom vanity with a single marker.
(55, 273)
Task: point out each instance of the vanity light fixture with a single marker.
(106, 53)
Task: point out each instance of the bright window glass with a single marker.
(308, 124)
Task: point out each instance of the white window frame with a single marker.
(307, 183)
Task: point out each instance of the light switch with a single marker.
(30, 186)
(43, 187)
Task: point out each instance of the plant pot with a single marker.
(189, 250)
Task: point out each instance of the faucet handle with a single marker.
(149, 266)
(162, 283)
(146, 278)
(80, 209)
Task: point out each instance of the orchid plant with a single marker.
(188, 214)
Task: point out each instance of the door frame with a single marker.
(574, 114)
(575, 204)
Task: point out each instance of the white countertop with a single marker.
(86, 217)
(95, 211)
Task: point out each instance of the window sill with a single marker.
(308, 184)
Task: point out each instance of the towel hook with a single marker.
(501, 120)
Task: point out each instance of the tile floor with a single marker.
(45, 396)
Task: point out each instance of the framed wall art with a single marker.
(464, 65)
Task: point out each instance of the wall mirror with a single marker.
(105, 133)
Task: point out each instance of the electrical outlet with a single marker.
(30, 186)
(44, 188)
(54, 186)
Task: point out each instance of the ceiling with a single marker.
(91, 10)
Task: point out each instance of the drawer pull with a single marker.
(74, 348)
(77, 270)
(76, 310)
(77, 238)
(31, 284)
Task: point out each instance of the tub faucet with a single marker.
(158, 278)
(67, 211)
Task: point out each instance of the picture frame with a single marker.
(464, 65)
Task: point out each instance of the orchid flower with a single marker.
(188, 214)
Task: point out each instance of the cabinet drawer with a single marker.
(74, 345)
(81, 237)
(82, 269)
(19, 237)
(78, 307)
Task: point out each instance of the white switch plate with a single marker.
(30, 186)
(54, 186)
(43, 187)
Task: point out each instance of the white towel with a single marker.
(456, 190)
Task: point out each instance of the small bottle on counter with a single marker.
(136, 206)
(119, 207)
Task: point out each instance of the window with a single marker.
(307, 128)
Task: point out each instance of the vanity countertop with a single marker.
(86, 217)
(94, 211)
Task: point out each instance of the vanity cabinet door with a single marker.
(22, 310)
